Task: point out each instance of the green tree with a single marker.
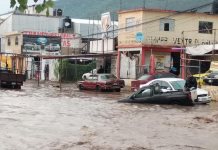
(22, 5)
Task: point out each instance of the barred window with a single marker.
(205, 27)
(167, 24)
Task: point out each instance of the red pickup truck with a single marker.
(9, 79)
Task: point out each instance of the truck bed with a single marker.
(11, 80)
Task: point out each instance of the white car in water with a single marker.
(175, 84)
(87, 75)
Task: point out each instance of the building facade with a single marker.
(164, 34)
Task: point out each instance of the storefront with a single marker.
(133, 62)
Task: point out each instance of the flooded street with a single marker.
(44, 118)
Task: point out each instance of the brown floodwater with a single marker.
(45, 118)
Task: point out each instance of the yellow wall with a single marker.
(187, 22)
(13, 48)
(5, 60)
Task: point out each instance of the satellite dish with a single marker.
(66, 24)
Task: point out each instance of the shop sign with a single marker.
(139, 37)
(67, 40)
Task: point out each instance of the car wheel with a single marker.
(81, 87)
(117, 90)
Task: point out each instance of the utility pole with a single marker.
(120, 4)
(183, 56)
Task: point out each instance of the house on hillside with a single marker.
(163, 33)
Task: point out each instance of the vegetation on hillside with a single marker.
(23, 4)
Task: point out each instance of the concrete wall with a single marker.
(188, 22)
(6, 25)
(36, 23)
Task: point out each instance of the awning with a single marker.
(201, 49)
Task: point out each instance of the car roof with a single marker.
(169, 79)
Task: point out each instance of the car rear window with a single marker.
(144, 77)
(108, 76)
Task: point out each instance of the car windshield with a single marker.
(108, 77)
(178, 85)
(144, 77)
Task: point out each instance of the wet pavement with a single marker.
(45, 118)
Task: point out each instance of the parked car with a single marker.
(175, 84)
(200, 77)
(212, 78)
(100, 82)
(153, 95)
(87, 75)
(148, 77)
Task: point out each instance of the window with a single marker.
(16, 40)
(205, 27)
(178, 85)
(9, 41)
(129, 23)
(93, 77)
(146, 92)
(167, 24)
(165, 85)
(166, 27)
(155, 82)
(144, 77)
(108, 77)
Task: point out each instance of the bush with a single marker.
(72, 72)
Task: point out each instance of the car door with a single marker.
(158, 97)
(93, 81)
(142, 96)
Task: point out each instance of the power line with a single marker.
(151, 21)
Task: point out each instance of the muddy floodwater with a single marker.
(45, 118)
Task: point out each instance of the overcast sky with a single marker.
(5, 5)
